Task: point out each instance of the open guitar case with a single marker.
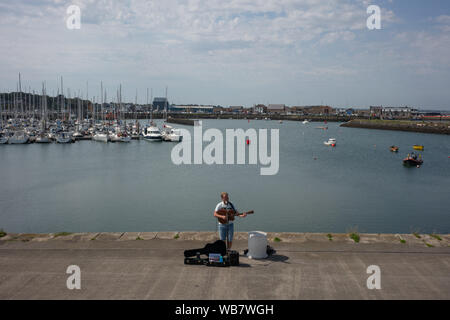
(218, 248)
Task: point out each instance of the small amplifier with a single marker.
(234, 257)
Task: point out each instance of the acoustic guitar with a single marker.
(230, 215)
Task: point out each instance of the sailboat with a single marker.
(43, 136)
(19, 137)
(64, 137)
(101, 135)
(3, 139)
(120, 134)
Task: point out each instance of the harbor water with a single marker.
(359, 185)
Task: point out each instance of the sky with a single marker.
(233, 52)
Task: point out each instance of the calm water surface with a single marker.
(91, 186)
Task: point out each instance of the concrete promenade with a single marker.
(149, 265)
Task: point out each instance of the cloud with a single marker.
(236, 44)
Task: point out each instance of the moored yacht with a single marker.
(43, 138)
(100, 136)
(120, 135)
(151, 133)
(172, 135)
(3, 139)
(19, 137)
(64, 137)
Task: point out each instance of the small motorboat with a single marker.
(417, 147)
(412, 160)
(330, 142)
(152, 134)
(64, 137)
(171, 135)
(305, 121)
(393, 148)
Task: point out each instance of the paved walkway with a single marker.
(306, 266)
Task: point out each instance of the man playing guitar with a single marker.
(225, 213)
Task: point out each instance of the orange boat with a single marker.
(394, 149)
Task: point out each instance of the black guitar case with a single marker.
(217, 247)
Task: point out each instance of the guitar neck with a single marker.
(235, 213)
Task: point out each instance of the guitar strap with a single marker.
(228, 222)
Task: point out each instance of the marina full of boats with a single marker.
(23, 131)
(26, 118)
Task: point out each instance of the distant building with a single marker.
(218, 110)
(396, 113)
(259, 108)
(363, 113)
(276, 108)
(159, 104)
(350, 112)
(191, 108)
(234, 109)
(318, 110)
(376, 111)
(298, 110)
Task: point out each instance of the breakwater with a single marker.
(186, 122)
(415, 239)
(400, 125)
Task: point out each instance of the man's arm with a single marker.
(237, 213)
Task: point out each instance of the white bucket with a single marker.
(257, 245)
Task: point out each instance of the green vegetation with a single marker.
(176, 236)
(429, 245)
(330, 237)
(355, 236)
(62, 234)
(418, 236)
(276, 239)
(2, 233)
(436, 236)
(139, 238)
(402, 241)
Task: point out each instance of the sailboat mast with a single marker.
(151, 109)
(101, 99)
